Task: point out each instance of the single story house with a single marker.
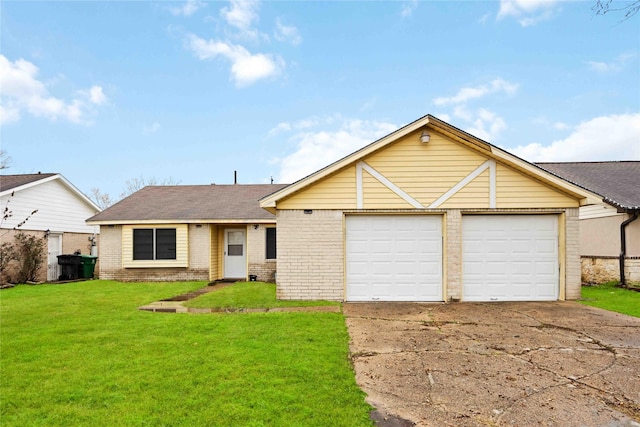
(61, 210)
(189, 232)
(609, 230)
(429, 213)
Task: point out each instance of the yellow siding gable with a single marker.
(442, 173)
(182, 247)
(515, 190)
(335, 192)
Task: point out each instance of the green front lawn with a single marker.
(81, 354)
(248, 295)
(611, 298)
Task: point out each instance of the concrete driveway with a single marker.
(497, 364)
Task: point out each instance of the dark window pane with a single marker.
(234, 250)
(142, 243)
(271, 243)
(166, 243)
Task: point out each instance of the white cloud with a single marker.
(242, 14)
(528, 12)
(9, 114)
(246, 68)
(317, 149)
(610, 67)
(561, 126)
(188, 9)
(408, 8)
(21, 90)
(287, 33)
(97, 96)
(614, 137)
(152, 128)
(480, 122)
(487, 125)
(468, 93)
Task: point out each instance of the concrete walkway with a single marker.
(176, 304)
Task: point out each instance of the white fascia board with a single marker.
(183, 221)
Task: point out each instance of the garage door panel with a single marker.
(394, 258)
(510, 257)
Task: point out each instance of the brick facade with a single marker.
(259, 265)
(310, 255)
(111, 259)
(311, 252)
(607, 269)
(203, 247)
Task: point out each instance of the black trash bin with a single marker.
(88, 266)
(71, 266)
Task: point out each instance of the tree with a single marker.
(135, 184)
(603, 7)
(5, 160)
(103, 200)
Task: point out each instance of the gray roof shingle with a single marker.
(191, 203)
(617, 182)
(8, 182)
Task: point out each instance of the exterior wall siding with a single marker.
(600, 237)
(258, 264)
(58, 209)
(426, 172)
(310, 255)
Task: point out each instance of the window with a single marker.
(271, 243)
(154, 243)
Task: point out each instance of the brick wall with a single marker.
(110, 251)
(606, 269)
(572, 254)
(453, 255)
(310, 255)
(257, 252)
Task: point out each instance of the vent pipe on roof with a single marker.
(623, 245)
(235, 177)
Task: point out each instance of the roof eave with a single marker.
(181, 221)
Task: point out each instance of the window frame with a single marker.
(274, 241)
(166, 247)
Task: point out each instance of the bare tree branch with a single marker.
(630, 8)
(135, 184)
(103, 200)
(5, 160)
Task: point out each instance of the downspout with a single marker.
(623, 245)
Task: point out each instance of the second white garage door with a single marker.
(510, 257)
(394, 258)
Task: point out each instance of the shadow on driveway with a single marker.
(494, 364)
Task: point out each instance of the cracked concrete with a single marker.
(498, 364)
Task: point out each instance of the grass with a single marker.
(81, 354)
(612, 298)
(249, 295)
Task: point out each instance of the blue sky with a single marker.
(104, 92)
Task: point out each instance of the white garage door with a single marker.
(510, 257)
(394, 258)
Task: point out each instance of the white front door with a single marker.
(54, 249)
(235, 254)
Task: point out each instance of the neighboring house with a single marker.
(602, 248)
(61, 213)
(429, 213)
(189, 232)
